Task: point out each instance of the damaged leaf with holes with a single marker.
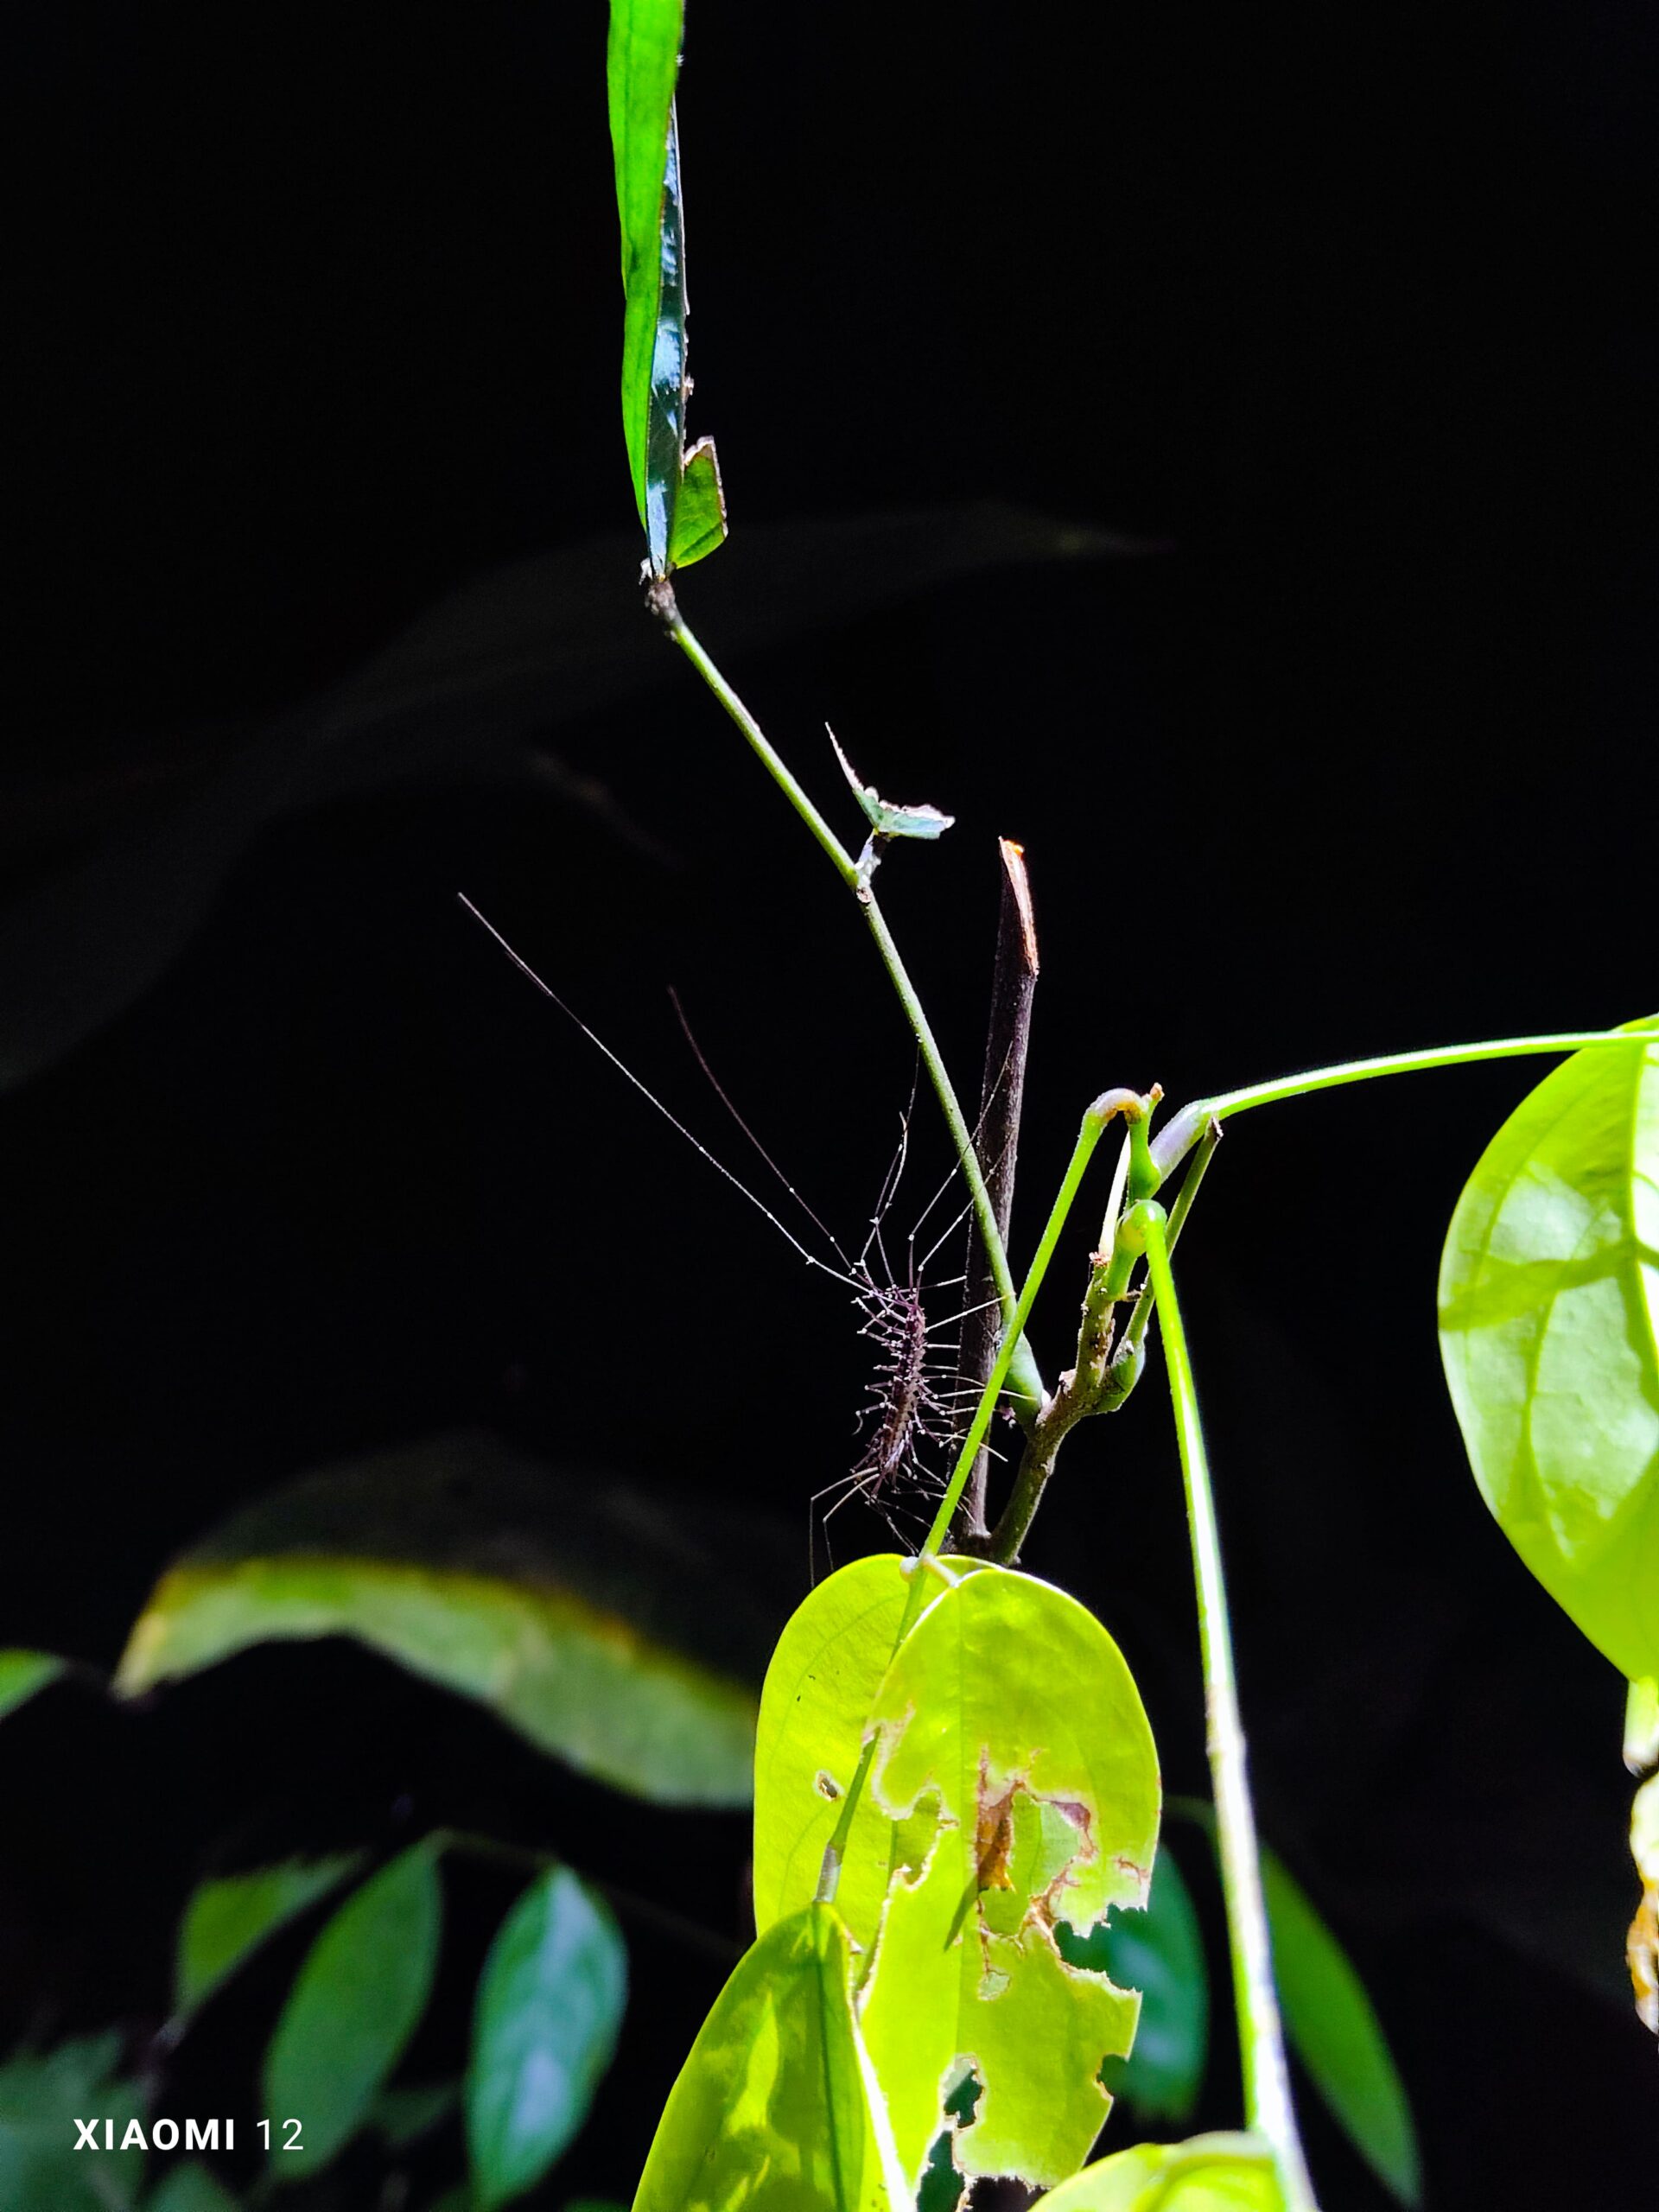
(1044, 1801)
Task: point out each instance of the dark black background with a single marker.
(317, 317)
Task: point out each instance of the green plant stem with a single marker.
(1087, 1389)
(1178, 1136)
(1268, 2103)
(1026, 1388)
(927, 1564)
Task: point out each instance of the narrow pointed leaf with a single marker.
(775, 2109)
(1337, 2035)
(23, 1673)
(231, 1916)
(354, 2005)
(1549, 1333)
(642, 63)
(1209, 2173)
(550, 2007)
(572, 1609)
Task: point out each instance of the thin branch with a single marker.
(1025, 1387)
(1003, 1090)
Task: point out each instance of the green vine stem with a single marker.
(1025, 1381)
(1178, 1136)
(1268, 2103)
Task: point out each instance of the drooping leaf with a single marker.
(192, 2188)
(1015, 1759)
(1549, 1332)
(1642, 1947)
(1158, 1951)
(550, 2007)
(591, 1622)
(23, 1672)
(354, 2005)
(1208, 2173)
(642, 62)
(229, 1917)
(404, 2113)
(776, 2107)
(40, 2099)
(1334, 2026)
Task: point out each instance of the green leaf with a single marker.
(1208, 2173)
(1016, 1771)
(228, 1917)
(776, 2109)
(819, 1690)
(571, 1608)
(1337, 2037)
(402, 2115)
(678, 491)
(354, 2005)
(1158, 1951)
(642, 62)
(40, 2098)
(190, 2188)
(886, 817)
(1549, 1309)
(700, 509)
(23, 1672)
(550, 2007)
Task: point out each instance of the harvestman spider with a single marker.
(910, 1406)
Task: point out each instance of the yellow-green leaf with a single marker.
(1209, 2173)
(818, 1694)
(1009, 1724)
(775, 2109)
(570, 1609)
(1549, 1332)
(230, 1915)
(23, 1673)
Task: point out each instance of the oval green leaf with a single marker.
(776, 2109)
(229, 1917)
(575, 1611)
(1337, 2035)
(1016, 1769)
(1209, 2173)
(23, 1673)
(354, 2005)
(1158, 1951)
(550, 2007)
(1549, 1333)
